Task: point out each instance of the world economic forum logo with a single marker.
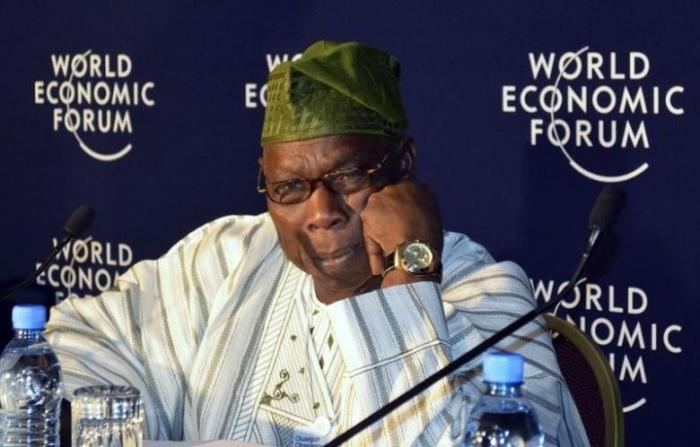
(92, 94)
(597, 109)
(86, 267)
(621, 320)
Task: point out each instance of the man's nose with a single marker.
(325, 209)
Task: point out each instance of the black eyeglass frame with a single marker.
(263, 189)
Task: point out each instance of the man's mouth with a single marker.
(338, 257)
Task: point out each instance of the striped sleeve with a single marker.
(390, 340)
(393, 338)
(146, 331)
(480, 298)
(99, 341)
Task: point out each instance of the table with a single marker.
(195, 444)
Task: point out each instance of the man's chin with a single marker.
(348, 277)
(342, 275)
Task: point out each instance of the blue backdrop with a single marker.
(152, 111)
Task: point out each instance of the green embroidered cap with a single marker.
(334, 88)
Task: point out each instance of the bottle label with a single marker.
(315, 435)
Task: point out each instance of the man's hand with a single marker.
(397, 213)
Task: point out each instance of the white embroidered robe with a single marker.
(226, 340)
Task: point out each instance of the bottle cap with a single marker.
(503, 367)
(28, 316)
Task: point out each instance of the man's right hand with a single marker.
(399, 212)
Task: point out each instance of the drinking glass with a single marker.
(107, 416)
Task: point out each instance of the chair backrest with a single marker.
(592, 383)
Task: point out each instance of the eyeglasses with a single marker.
(342, 181)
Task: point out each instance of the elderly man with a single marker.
(305, 319)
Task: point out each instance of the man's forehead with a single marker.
(335, 150)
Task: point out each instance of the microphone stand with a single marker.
(470, 355)
(77, 223)
(29, 279)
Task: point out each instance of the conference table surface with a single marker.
(195, 444)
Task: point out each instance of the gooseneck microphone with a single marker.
(76, 225)
(79, 221)
(602, 218)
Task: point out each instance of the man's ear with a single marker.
(406, 164)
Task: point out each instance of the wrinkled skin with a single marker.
(341, 240)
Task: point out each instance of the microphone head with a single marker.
(606, 209)
(79, 221)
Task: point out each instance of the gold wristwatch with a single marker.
(415, 257)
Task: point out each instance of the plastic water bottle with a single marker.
(502, 417)
(30, 384)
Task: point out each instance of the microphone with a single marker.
(603, 216)
(76, 225)
(79, 221)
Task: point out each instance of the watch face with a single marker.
(417, 256)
